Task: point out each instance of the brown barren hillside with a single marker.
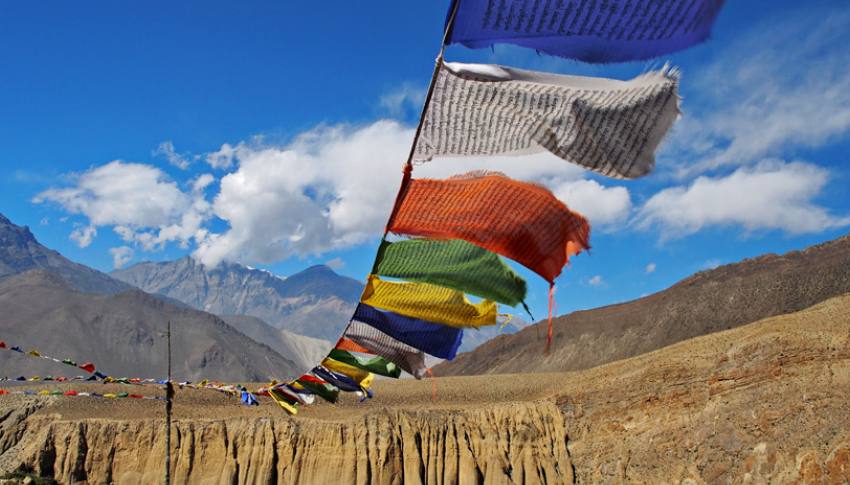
(762, 403)
(123, 334)
(707, 302)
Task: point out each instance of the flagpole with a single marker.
(408, 166)
(169, 394)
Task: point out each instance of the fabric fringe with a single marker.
(551, 310)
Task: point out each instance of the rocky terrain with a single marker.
(123, 334)
(761, 403)
(707, 302)
(315, 302)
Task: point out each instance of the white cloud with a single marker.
(166, 150)
(83, 235)
(650, 268)
(223, 158)
(121, 193)
(201, 182)
(791, 90)
(335, 264)
(330, 188)
(334, 187)
(770, 195)
(406, 97)
(711, 264)
(121, 256)
(596, 281)
(139, 200)
(600, 204)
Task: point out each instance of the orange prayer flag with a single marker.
(519, 220)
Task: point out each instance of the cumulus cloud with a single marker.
(83, 235)
(406, 97)
(650, 268)
(333, 187)
(770, 195)
(166, 150)
(791, 90)
(121, 256)
(139, 201)
(600, 204)
(222, 158)
(330, 188)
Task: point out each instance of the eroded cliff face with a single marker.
(522, 443)
(765, 403)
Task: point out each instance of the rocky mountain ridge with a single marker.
(706, 302)
(315, 302)
(20, 251)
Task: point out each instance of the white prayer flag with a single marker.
(609, 126)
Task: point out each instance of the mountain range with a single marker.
(707, 302)
(316, 302)
(69, 310)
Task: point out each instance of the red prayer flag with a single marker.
(88, 367)
(313, 379)
(2, 344)
(519, 220)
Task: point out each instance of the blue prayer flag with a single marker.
(432, 338)
(587, 30)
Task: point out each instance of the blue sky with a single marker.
(230, 131)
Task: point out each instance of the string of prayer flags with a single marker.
(294, 394)
(454, 264)
(343, 382)
(282, 401)
(408, 358)
(362, 377)
(585, 30)
(375, 365)
(518, 220)
(74, 393)
(605, 125)
(319, 387)
(428, 302)
(432, 338)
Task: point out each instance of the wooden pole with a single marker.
(169, 395)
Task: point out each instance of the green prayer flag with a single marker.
(375, 365)
(69, 362)
(454, 264)
(326, 391)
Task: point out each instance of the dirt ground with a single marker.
(444, 393)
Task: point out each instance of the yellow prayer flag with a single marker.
(289, 408)
(429, 302)
(355, 373)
